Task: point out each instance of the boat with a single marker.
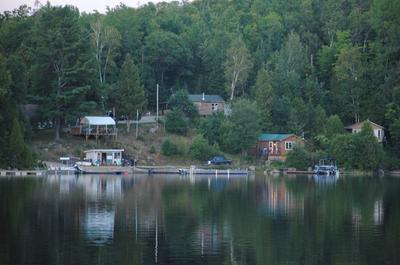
(102, 161)
(118, 170)
(326, 167)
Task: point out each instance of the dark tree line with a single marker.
(301, 61)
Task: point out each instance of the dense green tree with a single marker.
(349, 71)
(176, 122)
(212, 127)
(19, 154)
(200, 149)
(264, 97)
(129, 96)
(243, 128)
(299, 158)
(334, 126)
(57, 70)
(180, 101)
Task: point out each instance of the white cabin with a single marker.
(105, 157)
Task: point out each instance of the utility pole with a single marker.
(157, 106)
(137, 122)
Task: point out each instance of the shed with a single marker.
(95, 126)
(104, 156)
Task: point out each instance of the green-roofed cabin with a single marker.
(274, 146)
(207, 104)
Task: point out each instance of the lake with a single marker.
(181, 220)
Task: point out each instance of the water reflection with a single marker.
(208, 220)
(98, 224)
(278, 200)
(325, 179)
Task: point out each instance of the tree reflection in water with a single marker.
(207, 220)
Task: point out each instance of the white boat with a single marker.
(326, 167)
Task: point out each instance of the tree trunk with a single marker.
(57, 123)
(128, 124)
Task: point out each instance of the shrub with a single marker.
(299, 158)
(168, 148)
(152, 150)
(176, 122)
(200, 149)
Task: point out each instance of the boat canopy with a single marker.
(97, 120)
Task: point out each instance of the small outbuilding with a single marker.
(274, 146)
(95, 126)
(378, 130)
(207, 104)
(104, 157)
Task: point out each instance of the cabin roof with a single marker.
(207, 98)
(359, 125)
(273, 136)
(103, 150)
(97, 120)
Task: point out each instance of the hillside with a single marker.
(146, 149)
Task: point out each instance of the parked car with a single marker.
(219, 160)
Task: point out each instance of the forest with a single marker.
(309, 66)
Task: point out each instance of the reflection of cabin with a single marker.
(95, 126)
(276, 146)
(104, 156)
(208, 104)
(379, 131)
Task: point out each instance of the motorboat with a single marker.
(326, 167)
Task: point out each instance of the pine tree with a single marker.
(130, 95)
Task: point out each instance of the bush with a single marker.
(201, 150)
(358, 151)
(152, 150)
(299, 158)
(168, 148)
(176, 122)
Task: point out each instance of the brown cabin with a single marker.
(276, 146)
(208, 104)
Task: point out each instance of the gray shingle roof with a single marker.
(207, 98)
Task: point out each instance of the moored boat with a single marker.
(82, 169)
(327, 167)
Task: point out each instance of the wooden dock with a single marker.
(192, 171)
(22, 173)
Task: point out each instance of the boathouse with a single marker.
(378, 130)
(207, 104)
(104, 157)
(275, 146)
(95, 126)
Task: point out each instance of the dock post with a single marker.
(228, 173)
(216, 173)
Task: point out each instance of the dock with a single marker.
(23, 173)
(192, 170)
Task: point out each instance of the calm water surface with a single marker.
(178, 220)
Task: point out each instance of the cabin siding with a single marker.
(208, 108)
(277, 150)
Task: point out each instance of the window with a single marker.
(289, 145)
(270, 145)
(379, 133)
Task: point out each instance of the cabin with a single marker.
(95, 126)
(104, 157)
(207, 104)
(379, 131)
(275, 146)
